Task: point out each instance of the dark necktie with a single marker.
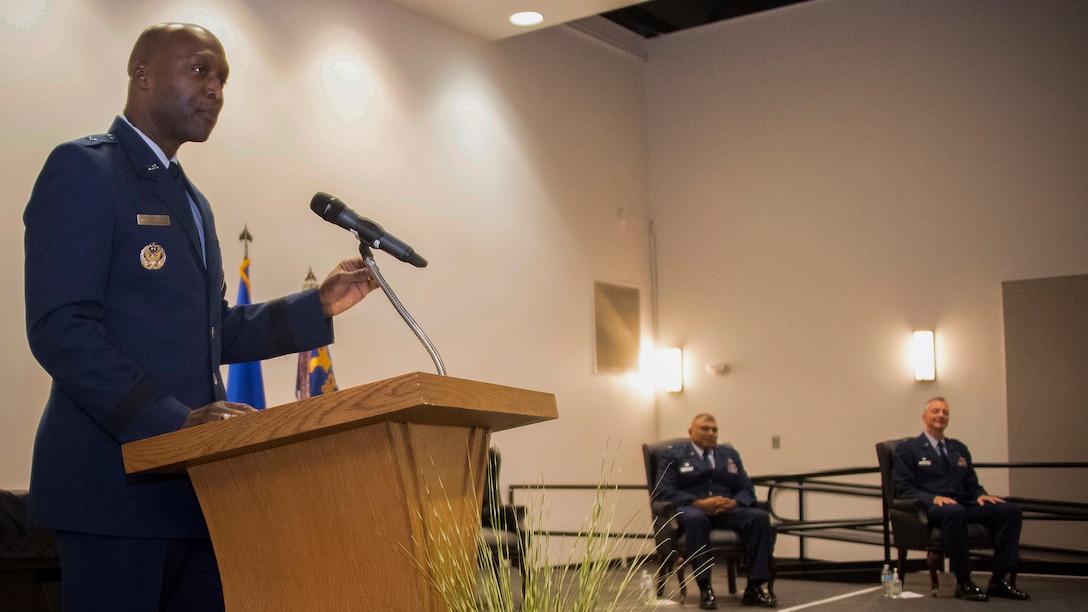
(943, 455)
(198, 218)
(175, 171)
(708, 456)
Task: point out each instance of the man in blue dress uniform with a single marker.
(939, 471)
(710, 488)
(126, 311)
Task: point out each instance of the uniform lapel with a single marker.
(942, 462)
(205, 213)
(211, 242)
(173, 192)
(930, 453)
(167, 189)
(953, 461)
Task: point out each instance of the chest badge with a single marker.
(153, 257)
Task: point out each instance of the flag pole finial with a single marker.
(311, 281)
(246, 238)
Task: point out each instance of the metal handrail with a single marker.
(815, 482)
(858, 530)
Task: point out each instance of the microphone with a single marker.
(334, 211)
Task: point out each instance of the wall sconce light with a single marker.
(669, 370)
(925, 356)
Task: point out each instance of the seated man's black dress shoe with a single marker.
(1002, 588)
(758, 596)
(706, 599)
(969, 591)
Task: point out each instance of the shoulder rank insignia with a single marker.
(97, 139)
(153, 256)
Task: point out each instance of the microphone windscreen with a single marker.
(326, 206)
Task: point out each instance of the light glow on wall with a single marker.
(348, 86)
(22, 15)
(471, 122)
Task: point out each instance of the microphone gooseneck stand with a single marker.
(368, 257)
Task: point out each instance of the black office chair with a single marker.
(906, 524)
(501, 523)
(671, 551)
(29, 561)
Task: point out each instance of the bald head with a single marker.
(176, 76)
(157, 38)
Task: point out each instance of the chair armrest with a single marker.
(662, 507)
(666, 527)
(505, 518)
(910, 523)
(664, 515)
(911, 506)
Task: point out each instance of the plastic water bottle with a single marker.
(897, 586)
(886, 580)
(647, 593)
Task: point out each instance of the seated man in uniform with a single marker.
(710, 488)
(939, 471)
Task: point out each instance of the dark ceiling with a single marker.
(659, 17)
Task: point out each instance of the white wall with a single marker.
(828, 177)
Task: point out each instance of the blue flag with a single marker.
(314, 373)
(315, 366)
(244, 381)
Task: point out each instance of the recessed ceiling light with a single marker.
(526, 18)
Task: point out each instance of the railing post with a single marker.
(886, 518)
(801, 517)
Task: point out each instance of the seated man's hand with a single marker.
(715, 505)
(989, 499)
(940, 500)
(216, 411)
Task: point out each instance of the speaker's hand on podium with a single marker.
(346, 286)
(217, 411)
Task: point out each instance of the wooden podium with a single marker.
(343, 501)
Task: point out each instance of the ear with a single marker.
(138, 74)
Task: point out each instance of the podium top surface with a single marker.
(418, 397)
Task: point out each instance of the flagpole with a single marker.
(245, 383)
(368, 257)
